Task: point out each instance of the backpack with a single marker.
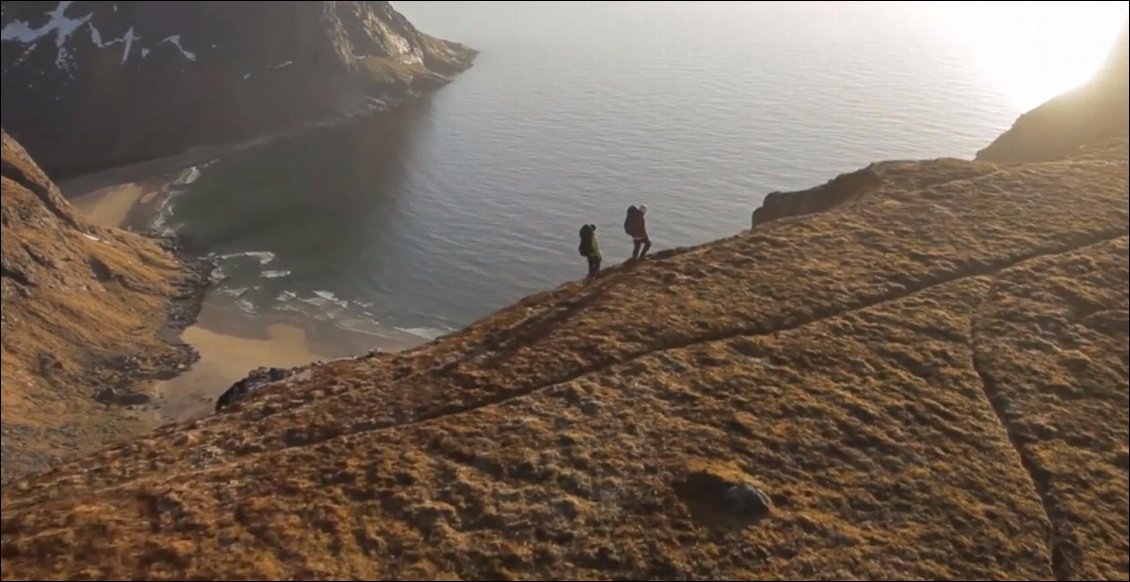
(631, 221)
(585, 248)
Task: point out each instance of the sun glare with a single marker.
(1032, 51)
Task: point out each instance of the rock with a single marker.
(429, 82)
(749, 501)
(134, 399)
(109, 395)
(257, 379)
(839, 190)
(718, 492)
(151, 79)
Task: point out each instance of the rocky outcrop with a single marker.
(256, 380)
(92, 84)
(926, 382)
(1097, 110)
(83, 308)
(855, 187)
(1090, 119)
(837, 191)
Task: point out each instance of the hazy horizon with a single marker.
(1030, 51)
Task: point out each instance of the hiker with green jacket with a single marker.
(590, 248)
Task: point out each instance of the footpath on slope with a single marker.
(928, 379)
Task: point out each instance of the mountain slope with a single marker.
(916, 370)
(1097, 110)
(929, 381)
(83, 310)
(88, 85)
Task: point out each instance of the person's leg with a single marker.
(646, 247)
(594, 266)
(636, 247)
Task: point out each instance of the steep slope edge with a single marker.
(83, 308)
(1097, 110)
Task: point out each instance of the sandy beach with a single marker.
(224, 360)
(231, 343)
(112, 207)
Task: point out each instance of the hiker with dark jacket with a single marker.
(636, 227)
(590, 248)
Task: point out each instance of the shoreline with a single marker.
(118, 205)
(220, 344)
(114, 206)
(128, 197)
(87, 184)
(231, 345)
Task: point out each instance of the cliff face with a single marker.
(928, 382)
(83, 308)
(1092, 112)
(92, 84)
(855, 186)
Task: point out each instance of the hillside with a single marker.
(1097, 110)
(89, 85)
(916, 370)
(927, 380)
(85, 310)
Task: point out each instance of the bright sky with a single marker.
(1032, 51)
(1028, 51)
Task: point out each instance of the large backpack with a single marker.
(631, 221)
(585, 248)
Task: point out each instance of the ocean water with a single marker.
(430, 217)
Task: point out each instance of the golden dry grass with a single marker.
(78, 301)
(929, 381)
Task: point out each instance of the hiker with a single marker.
(590, 248)
(636, 227)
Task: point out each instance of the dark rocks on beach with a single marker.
(109, 395)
